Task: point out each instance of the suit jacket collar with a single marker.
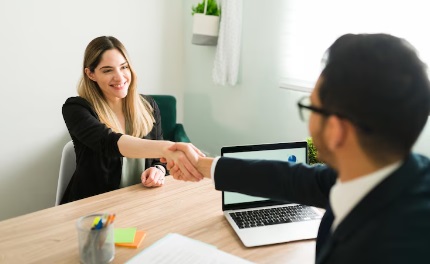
(382, 194)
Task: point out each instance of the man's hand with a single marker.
(192, 153)
(184, 157)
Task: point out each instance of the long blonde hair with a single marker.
(138, 112)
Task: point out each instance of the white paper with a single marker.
(175, 248)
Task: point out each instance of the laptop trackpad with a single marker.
(280, 233)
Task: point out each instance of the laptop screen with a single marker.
(295, 152)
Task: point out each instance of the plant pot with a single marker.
(205, 30)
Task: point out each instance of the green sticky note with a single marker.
(124, 235)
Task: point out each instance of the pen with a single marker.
(110, 220)
(95, 222)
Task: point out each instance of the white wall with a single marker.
(256, 110)
(42, 46)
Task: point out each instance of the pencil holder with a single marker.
(96, 242)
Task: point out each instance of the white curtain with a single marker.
(311, 26)
(227, 57)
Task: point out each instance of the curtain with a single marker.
(311, 26)
(227, 57)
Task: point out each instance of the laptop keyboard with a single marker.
(273, 216)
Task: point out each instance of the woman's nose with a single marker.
(118, 76)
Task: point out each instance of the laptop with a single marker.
(277, 222)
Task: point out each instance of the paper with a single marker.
(124, 235)
(138, 238)
(175, 248)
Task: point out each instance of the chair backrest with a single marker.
(167, 105)
(67, 168)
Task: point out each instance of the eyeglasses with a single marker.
(306, 108)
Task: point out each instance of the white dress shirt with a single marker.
(344, 196)
(214, 162)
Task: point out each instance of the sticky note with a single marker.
(138, 238)
(124, 235)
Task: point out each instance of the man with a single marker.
(368, 107)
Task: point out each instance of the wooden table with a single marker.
(190, 209)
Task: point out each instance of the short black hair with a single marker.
(379, 83)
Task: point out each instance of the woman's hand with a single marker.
(152, 177)
(186, 171)
(184, 156)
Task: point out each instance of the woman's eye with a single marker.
(125, 67)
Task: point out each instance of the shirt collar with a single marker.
(345, 196)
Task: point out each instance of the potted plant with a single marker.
(312, 152)
(206, 16)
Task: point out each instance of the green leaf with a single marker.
(212, 8)
(312, 152)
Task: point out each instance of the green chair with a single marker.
(172, 131)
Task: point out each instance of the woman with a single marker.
(116, 132)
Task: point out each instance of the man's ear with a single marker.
(90, 74)
(336, 131)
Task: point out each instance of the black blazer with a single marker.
(391, 224)
(98, 160)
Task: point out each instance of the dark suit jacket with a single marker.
(391, 224)
(98, 160)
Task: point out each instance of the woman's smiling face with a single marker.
(112, 74)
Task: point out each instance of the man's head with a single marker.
(376, 83)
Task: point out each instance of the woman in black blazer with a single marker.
(116, 132)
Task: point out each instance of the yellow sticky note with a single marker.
(124, 235)
(140, 235)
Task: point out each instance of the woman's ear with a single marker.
(90, 74)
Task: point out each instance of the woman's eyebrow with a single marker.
(106, 67)
(110, 67)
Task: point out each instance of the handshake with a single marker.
(186, 162)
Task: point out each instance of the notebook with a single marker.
(277, 222)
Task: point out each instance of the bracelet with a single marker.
(161, 168)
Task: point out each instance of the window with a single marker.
(311, 26)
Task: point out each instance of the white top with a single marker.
(131, 171)
(344, 196)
